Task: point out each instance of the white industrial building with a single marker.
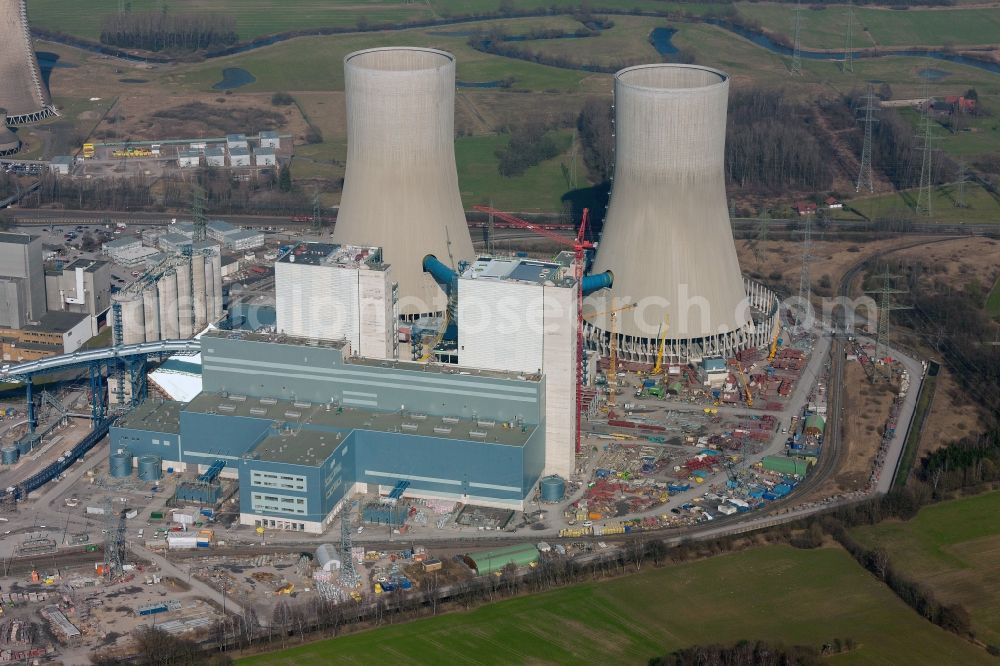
(270, 139)
(265, 156)
(236, 141)
(127, 251)
(188, 158)
(337, 292)
(520, 315)
(239, 157)
(61, 164)
(215, 156)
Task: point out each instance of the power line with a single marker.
(797, 48)
(805, 283)
(960, 201)
(885, 307)
(924, 194)
(865, 177)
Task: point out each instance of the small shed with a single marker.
(239, 157)
(61, 164)
(270, 139)
(815, 425)
(215, 156)
(492, 561)
(327, 557)
(188, 158)
(265, 156)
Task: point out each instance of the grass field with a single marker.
(982, 207)
(775, 593)
(826, 28)
(954, 548)
(615, 47)
(993, 301)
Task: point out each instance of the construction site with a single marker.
(405, 394)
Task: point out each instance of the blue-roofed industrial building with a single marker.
(302, 425)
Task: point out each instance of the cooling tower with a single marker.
(667, 236)
(22, 91)
(401, 185)
(9, 143)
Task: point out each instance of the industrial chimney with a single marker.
(401, 185)
(22, 92)
(667, 235)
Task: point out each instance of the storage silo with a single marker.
(166, 290)
(667, 235)
(401, 184)
(151, 309)
(120, 464)
(9, 455)
(199, 293)
(150, 468)
(133, 317)
(552, 488)
(216, 260)
(209, 289)
(185, 313)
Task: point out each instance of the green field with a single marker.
(982, 206)
(953, 548)
(774, 593)
(618, 46)
(540, 188)
(993, 302)
(826, 28)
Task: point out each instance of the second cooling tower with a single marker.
(401, 184)
(667, 235)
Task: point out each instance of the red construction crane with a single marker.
(580, 246)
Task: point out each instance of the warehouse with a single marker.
(303, 424)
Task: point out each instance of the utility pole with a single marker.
(924, 194)
(960, 201)
(849, 41)
(865, 178)
(885, 307)
(797, 47)
(805, 283)
(317, 220)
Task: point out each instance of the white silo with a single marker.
(216, 260)
(151, 310)
(166, 288)
(401, 184)
(185, 311)
(667, 236)
(198, 291)
(133, 322)
(209, 289)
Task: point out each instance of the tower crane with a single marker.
(612, 351)
(658, 368)
(580, 246)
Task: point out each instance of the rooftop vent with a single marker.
(410, 426)
(450, 419)
(258, 411)
(301, 404)
(292, 415)
(478, 434)
(238, 398)
(268, 401)
(442, 430)
(227, 408)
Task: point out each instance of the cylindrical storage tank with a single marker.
(553, 488)
(151, 309)
(185, 314)
(198, 291)
(9, 455)
(133, 319)
(667, 236)
(150, 468)
(166, 290)
(209, 289)
(120, 464)
(401, 184)
(216, 261)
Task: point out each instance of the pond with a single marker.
(662, 40)
(234, 77)
(479, 84)
(932, 74)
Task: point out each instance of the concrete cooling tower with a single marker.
(401, 184)
(667, 236)
(22, 92)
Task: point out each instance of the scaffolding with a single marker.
(349, 576)
(114, 542)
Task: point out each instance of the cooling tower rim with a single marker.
(448, 59)
(622, 75)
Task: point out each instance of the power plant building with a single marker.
(401, 184)
(23, 94)
(303, 425)
(521, 315)
(337, 292)
(82, 286)
(22, 280)
(667, 236)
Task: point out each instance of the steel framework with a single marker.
(114, 542)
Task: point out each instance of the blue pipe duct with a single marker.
(592, 283)
(444, 275)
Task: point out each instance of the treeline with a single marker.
(756, 653)
(158, 31)
(156, 647)
(529, 144)
(771, 146)
(967, 463)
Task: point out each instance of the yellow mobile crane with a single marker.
(774, 336)
(613, 350)
(658, 368)
(745, 384)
